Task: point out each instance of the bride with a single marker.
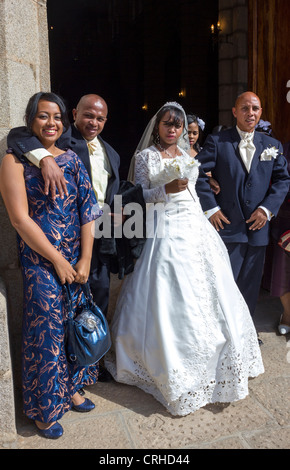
(181, 330)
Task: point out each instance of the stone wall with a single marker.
(233, 55)
(24, 70)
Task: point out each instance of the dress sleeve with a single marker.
(156, 194)
(88, 206)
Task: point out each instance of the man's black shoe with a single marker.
(260, 341)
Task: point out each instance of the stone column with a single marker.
(24, 70)
(233, 56)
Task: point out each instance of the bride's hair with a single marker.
(176, 116)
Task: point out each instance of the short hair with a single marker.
(31, 108)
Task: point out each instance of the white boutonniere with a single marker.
(269, 153)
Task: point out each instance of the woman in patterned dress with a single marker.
(55, 245)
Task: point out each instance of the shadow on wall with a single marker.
(11, 275)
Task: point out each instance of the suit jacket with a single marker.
(123, 251)
(241, 193)
(22, 141)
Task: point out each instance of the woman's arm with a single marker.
(156, 194)
(83, 265)
(13, 190)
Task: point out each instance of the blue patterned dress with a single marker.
(48, 380)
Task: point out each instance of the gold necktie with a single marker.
(92, 146)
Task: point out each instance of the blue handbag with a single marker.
(87, 335)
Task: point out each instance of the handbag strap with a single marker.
(68, 300)
(87, 293)
(67, 295)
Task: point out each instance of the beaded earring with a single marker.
(157, 138)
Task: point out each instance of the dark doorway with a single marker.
(136, 54)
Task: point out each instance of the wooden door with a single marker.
(269, 61)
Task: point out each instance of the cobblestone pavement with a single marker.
(127, 418)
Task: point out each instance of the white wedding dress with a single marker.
(181, 330)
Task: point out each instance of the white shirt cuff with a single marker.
(268, 213)
(35, 156)
(210, 212)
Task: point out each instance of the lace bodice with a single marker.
(150, 173)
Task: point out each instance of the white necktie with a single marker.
(247, 149)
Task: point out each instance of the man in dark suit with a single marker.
(252, 173)
(102, 164)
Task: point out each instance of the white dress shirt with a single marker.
(100, 169)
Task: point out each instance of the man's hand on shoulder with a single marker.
(53, 177)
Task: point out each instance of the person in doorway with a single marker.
(280, 276)
(195, 128)
(181, 329)
(55, 246)
(102, 164)
(252, 173)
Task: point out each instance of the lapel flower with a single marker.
(269, 153)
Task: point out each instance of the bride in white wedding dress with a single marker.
(181, 330)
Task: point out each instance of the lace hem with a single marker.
(184, 392)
